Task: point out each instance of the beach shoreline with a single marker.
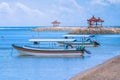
(109, 70)
(81, 30)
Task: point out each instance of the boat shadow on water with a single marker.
(44, 57)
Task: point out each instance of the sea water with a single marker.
(13, 67)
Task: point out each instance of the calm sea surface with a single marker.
(31, 68)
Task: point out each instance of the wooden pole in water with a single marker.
(11, 53)
(38, 35)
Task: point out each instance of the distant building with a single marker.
(95, 22)
(55, 23)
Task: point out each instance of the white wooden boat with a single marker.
(49, 52)
(86, 40)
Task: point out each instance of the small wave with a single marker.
(5, 48)
(115, 36)
(14, 28)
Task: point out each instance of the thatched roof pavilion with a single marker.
(55, 23)
(95, 22)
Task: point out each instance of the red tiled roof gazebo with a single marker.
(99, 20)
(94, 22)
(55, 23)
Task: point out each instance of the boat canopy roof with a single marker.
(71, 35)
(51, 40)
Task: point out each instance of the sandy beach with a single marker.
(109, 70)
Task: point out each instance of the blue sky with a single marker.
(68, 12)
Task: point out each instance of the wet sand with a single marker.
(109, 70)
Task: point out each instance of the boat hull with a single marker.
(48, 52)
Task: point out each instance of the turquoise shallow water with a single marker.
(31, 68)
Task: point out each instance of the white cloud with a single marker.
(99, 2)
(69, 12)
(71, 4)
(5, 7)
(28, 10)
(66, 11)
(104, 2)
(19, 14)
(114, 1)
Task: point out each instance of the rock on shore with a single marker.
(109, 70)
(56, 29)
(96, 31)
(82, 30)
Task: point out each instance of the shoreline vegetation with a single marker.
(82, 30)
(109, 70)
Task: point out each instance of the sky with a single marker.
(68, 12)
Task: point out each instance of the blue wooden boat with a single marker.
(86, 40)
(49, 52)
